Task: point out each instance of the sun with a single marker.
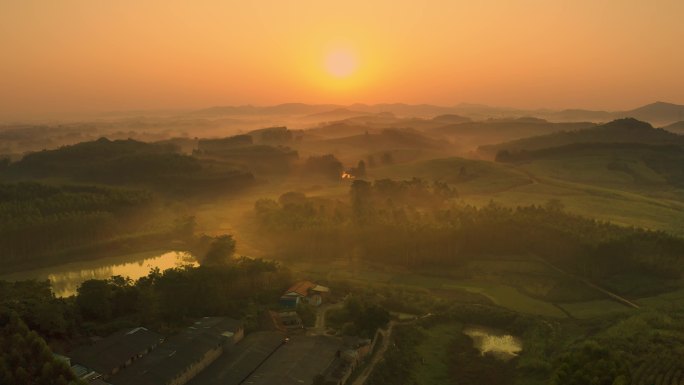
(341, 63)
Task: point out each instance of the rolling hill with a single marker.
(657, 113)
(127, 162)
(677, 127)
(491, 131)
(627, 130)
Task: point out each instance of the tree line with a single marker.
(160, 300)
(40, 221)
(414, 223)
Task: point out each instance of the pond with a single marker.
(493, 341)
(68, 277)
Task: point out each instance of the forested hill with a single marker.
(618, 131)
(387, 139)
(127, 162)
(42, 224)
(507, 129)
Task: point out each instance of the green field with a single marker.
(585, 185)
(467, 175)
(509, 297)
(434, 350)
(594, 309)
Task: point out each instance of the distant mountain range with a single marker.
(677, 127)
(658, 113)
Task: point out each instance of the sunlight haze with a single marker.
(84, 56)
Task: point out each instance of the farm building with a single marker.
(111, 354)
(184, 355)
(304, 292)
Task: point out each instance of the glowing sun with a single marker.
(341, 63)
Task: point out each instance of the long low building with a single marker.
(184, 355)
(141, 357)
(107, 356)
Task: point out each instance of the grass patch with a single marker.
(594, 309)
(509, 297)
(434, 353)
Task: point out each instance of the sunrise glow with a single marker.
(341, 63)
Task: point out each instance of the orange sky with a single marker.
(91, 55)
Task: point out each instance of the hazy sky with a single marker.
(90, 55)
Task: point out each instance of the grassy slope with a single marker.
(517, 286)
(585, 185)
(480, 177)
(434, 350)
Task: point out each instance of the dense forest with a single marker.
(160, 300)
(41, 222)
(26, 358)
(414, 223)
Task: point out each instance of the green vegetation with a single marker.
(618, 131)
(467, 175)
(26, 359)
(400, 359)
(435, 353)
(42, 224)
(130, 162)
(524, 245)
(159, 300)
(258, 158)
(641, 349)
(359, 317)
(412, 223)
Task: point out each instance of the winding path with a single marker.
(379, 354)
(594, 286)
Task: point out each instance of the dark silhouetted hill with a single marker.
(677, 127)
(498, 130)
(627, 130)
(126, 162)
(658, 112)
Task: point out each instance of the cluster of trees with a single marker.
(413, 224)
(327, 166)
(359, 317)
(469, 367)
(645, 348)
(39, 221)
(400, 359)
(272, 135)
(214, 251)
(384, 159)
(258, 158)
(172, 296)
(161, 299)
(26, 359)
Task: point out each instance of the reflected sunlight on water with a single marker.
(66, 278)
(488, 340)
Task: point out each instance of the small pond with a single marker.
(494, 341)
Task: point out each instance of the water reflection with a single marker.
(66, 278)
(492, 341)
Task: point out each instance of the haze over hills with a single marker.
(342, 193)
(626, 130)
(657, 113)
(677, 127)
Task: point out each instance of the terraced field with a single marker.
(665, 370)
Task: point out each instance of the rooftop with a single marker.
(178, 352)
(114, 350)
(302, 288)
